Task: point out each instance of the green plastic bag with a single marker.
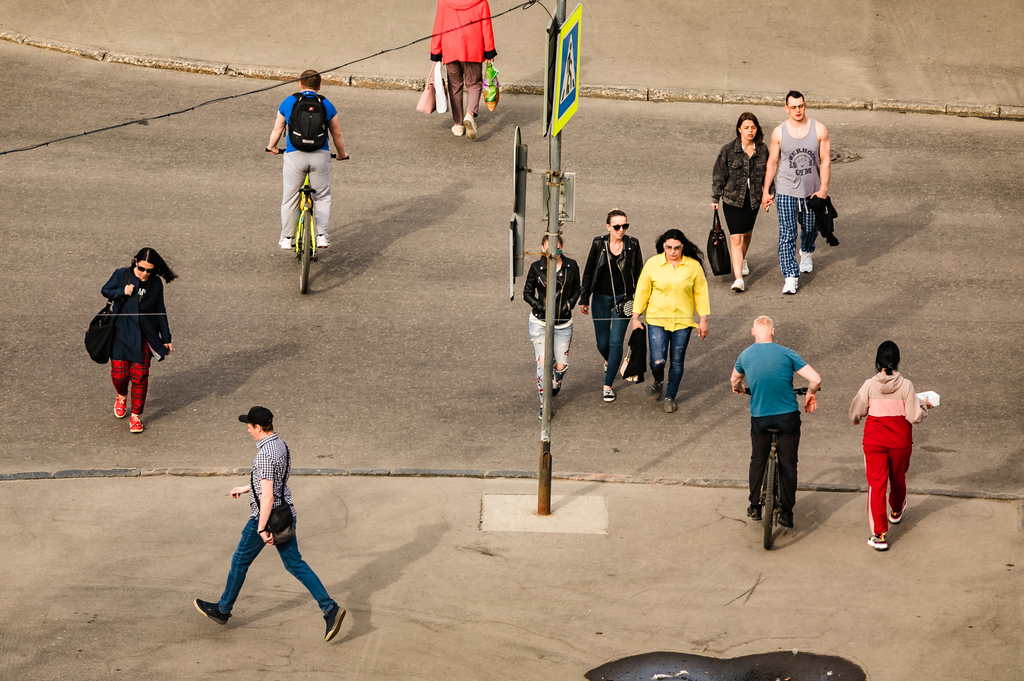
(491, 93)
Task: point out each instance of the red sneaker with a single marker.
(134, 424)
(121, 406)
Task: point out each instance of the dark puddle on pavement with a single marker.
(781, 666)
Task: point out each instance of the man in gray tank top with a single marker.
(799, 162)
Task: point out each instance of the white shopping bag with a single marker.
(440, 90)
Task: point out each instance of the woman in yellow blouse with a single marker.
(671, 289)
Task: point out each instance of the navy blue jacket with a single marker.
(130, 326)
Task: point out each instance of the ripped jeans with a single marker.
(659, 341)
(563, 339)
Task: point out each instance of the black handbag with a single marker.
(624, 307)
(281, 522)
(718, 249)
(99, 338)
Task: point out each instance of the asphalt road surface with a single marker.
(407, 351)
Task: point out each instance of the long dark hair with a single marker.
(690, 249)
(160, 268)
(747, 116)
(887, 358)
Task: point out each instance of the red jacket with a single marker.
(474, 43)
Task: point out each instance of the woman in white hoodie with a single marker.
(891, 406)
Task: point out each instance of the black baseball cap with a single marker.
(258, 416)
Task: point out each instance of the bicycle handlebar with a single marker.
(802, 390)
(280, 152)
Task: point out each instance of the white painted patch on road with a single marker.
(569, 514)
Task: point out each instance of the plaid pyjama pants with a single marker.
(792, 211)
(122, 372)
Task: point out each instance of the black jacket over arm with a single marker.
(567, 288)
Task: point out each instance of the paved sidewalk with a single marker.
(912, 51)
(100, 575)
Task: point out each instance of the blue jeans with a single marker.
(563, 339)
(610, 330)
(659, 341)
(249, 546)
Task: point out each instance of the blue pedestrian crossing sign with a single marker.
(567, 71)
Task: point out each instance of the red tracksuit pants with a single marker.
(122, 372)
(887, 447)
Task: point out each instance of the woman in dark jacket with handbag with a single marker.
(567, 292)
(736, 183)
(609, 282)
(141, 329)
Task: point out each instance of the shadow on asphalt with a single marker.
(793, 666)
(222, 376)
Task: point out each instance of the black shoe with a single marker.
(657, 390)
(786, 519)
(556, 387)
(333, 619)
(669, 405)
(212, 610)
(754, 512)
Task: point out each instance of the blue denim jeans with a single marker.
(610, 330)
(563, 339)
(659, 341)
(249, 546)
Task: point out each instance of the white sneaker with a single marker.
(738, 285)
(790, 285)
(806, 264)
(744, 270)
(458, 130)
(286, 244)
(322, 241)
(470, 126)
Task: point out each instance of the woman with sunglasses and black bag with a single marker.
(609, 283)
(141, 322)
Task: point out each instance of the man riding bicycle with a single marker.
(298, 162)
(768, 368)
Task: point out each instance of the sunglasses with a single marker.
(624, 226)
(144, 269)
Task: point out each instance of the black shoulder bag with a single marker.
(99, 338)
(281, 522)
(623, 308)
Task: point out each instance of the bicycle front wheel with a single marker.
(305, 250)
(770, 485)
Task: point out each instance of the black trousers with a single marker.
(761, 446)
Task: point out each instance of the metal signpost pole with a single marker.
(554, 229)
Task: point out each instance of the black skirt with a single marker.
(740, 220)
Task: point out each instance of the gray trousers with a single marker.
(296, 164)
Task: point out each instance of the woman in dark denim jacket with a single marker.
(736, 183)
(601, 290)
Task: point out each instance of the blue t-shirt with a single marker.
(769, 369)
(286, 110)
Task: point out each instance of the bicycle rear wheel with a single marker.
(305, 249)
(768, 510)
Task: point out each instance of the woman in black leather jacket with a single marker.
(567, 292)
(736, 182)
(604, 286)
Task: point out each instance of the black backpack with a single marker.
(307, 126)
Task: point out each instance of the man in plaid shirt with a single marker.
(270, 471)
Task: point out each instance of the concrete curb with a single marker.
(641, 94)
(83, 473)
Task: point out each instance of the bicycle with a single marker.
(770, 502)
(305, 246)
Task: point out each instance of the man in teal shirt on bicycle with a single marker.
(297, 163)
(769, 368)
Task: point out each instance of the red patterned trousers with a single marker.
(123, 372)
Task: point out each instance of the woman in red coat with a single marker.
(463, 52)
